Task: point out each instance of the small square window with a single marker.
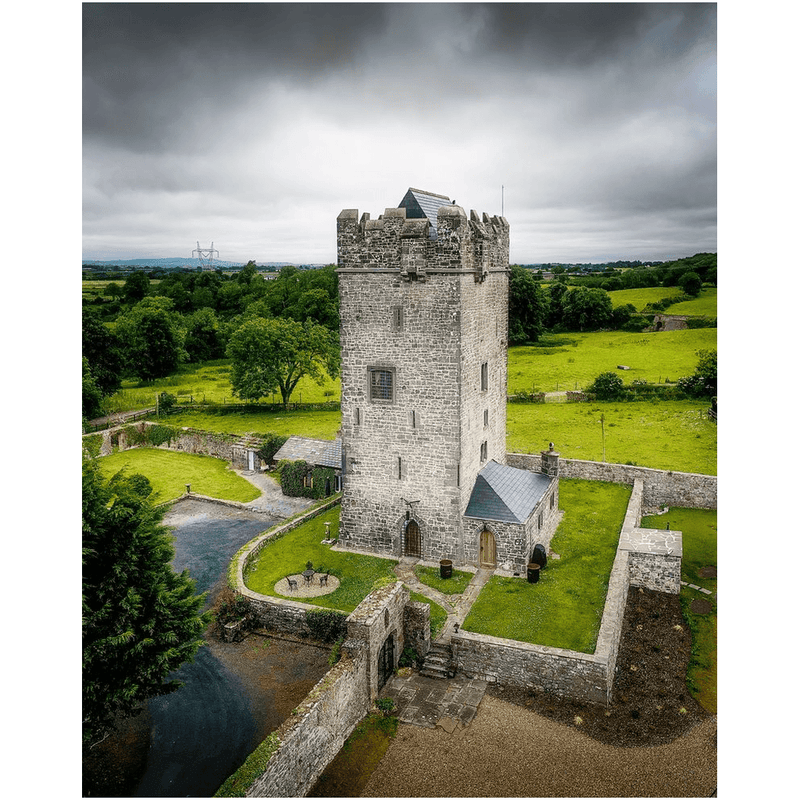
(381, 384)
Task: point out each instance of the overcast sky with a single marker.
(253, 125)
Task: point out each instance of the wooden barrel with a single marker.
(446, 568)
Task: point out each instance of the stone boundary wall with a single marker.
(565, 673)
(310, 739)
(218, 445)
(661, 487)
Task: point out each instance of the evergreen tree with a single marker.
(140, 620)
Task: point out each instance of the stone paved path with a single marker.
(433, 702)
(456, 606)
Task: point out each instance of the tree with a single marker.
(140, 619)
(205, 338)
(527, 306)
(704, 381)
(92, 397)
(102, 350)
(690, 283)
(586, 309)
(136, 287)
(152, 337)
(271, 355)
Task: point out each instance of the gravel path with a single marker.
(508, 751)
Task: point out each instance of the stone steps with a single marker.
(438, 661)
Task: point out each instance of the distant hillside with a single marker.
(175, 263)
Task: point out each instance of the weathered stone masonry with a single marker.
(427, 309)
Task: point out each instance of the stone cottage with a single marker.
(423, 295)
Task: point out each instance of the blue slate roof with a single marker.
(506, 494)
(419, 204)
(318, 452)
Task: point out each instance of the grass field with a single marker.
(639, 298)
(565, 607)
(699, 529)
(311, 424)
(705, 305)
(663, 434)
(288, 555)
(209, 382)
(169, 472)
(572, 361)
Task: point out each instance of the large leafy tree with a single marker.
(140, 619)
(270, 355)
(527, 306)
(152, 338)
(102, 351)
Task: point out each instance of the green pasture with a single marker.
(669, 434)
(288, 554)
(705, 305)
(699, 529)
(311, 424)
(639, 298)
(565, 607)
(572, 361)
(169, 472)
(209, 382)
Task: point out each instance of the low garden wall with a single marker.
(661, 487)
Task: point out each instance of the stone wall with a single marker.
(661, 487)
(187, 440)
(417, 626)
(310, 739)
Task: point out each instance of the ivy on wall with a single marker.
(294, 483)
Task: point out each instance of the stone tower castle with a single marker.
(424, 319)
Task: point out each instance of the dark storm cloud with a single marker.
(255, 124)
(145, 61)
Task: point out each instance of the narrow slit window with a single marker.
(397, 318)
(484, 451)
(484, 376)
(486, 418)
(399, 468)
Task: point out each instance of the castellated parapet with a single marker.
(415, 248)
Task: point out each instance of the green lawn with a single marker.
(455, 584)
(209, 381)
(288, 555)
(699, 529)
(565, 607)
(639, 298)
(665, 434)
(572, 361)
(311, 424)
(705, 305)
(169, 472)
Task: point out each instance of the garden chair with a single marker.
(292, 584)
(323, 579)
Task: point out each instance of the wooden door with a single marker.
(413, 540)
(488, 549)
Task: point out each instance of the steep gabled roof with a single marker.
(506, 494)
(419, 204)
(319, 452)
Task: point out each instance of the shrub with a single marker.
(327, 625)
(270, 445)
(607, 386)
(165, 402)
(386, 706)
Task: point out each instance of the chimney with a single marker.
(550, 462)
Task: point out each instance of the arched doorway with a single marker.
(386, 661)
(488, 551)
(413, 543)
